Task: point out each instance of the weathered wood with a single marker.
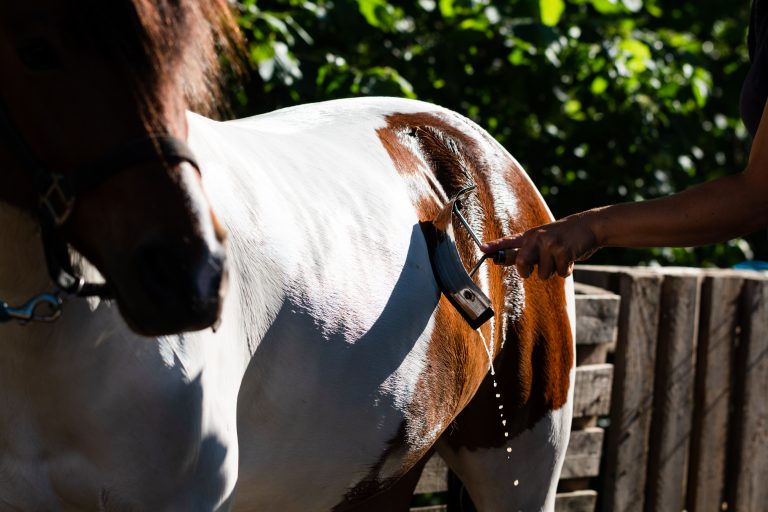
(592, 394)
(581, 288)
(577, 501)
(750, 467)
(673, 397)
(591, 354)
(434, 477)
(597, 315)
(432, 508)
(632, 394)
(720, 296)
(584, 422)
(582, 459)
(598, 276)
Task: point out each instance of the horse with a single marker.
(270, 333)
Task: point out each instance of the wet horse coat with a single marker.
(337, 368)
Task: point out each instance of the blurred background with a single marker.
(602, 101)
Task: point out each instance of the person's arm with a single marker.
(714, 211)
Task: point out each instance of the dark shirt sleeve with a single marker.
(755, 89)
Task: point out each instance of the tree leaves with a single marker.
(601, 100)
(551, 11)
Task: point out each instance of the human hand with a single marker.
(552, 247)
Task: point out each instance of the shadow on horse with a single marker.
(245, 316)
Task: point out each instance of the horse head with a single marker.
(95, 94)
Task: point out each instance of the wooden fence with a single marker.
(670, 412)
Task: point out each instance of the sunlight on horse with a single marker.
(336, 367)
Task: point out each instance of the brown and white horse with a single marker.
(337, 367)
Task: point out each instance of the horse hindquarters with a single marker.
(507, 443)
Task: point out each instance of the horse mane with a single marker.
(166, 46)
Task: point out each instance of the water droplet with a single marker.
(501, 407)
(495, 384)
(509, 449)
(517, 482)
(506, 434)
(504, 422)
(498, 395)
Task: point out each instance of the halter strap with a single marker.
(58, 193)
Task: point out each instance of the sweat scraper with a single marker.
(451, 275)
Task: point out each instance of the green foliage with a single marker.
(602, 101)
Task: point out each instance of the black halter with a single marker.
(57, 194)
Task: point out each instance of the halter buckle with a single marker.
(57, 202)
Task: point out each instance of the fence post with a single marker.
(750, 468)
(632, 395)
(673, 397)
(720, 296)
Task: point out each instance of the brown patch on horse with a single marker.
(533, 369)
(424, 151)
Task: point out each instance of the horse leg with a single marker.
(523, 479)
(508, 445)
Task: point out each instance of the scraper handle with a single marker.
(504, 257)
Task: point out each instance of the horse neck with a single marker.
(22, 263)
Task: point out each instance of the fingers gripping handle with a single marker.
(504, 257)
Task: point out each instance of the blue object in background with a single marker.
(752, 265)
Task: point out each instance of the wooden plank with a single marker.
(587, 289)
(599, 276)
(673, 396)
(597, 316)
(582, 459)
(432, 508)
(720, 296)
(591, 354)
(592, 394)
(434, 477)
(632, 394)
(749, 490)
(577, 501)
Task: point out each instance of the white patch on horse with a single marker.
(499, 479)
(343, 278)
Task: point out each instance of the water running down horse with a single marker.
(337, 368)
